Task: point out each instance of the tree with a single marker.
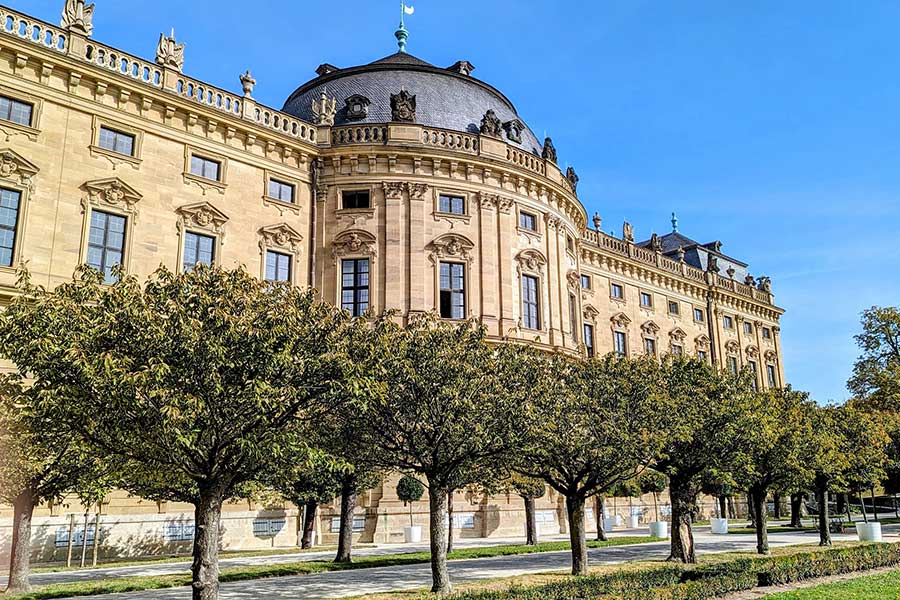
(593, 425)
(197, 382)
(529, 489)
(452, 405)
(627, 489)
(652, 482)
(876, 374)
(38, 463)
(779, 440)
(719, 485)
(700, 416)
(409, 490)
(307, 488)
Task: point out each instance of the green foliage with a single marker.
(652, 482)
(870, 587)
(626, 489)
(410, 489)
(527, 487)
(876, 374)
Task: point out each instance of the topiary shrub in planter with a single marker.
(409, 490)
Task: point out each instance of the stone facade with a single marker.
(519, 217)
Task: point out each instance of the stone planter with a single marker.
(412, 535)
(659, 529)
(609, 524)
(719, 526)
(868, 532)
(634, 522)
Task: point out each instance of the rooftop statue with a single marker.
(77, 17)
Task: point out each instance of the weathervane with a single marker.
(402, 34)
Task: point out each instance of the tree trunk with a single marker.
(531, 533)
(205, 566)
(440, 577)
(750, 511)
(656, 506)
(20, 560)
(575, 513)
(758, 495)
(874, 505)
(600, 509)
(309, 524)
(896, 507)
(450, 521)
(84, 537)
(822, 499)
(96, 538)
(70, 546)
(862, 505)
(348, 504)
(796, 507)
(682, 543)
(723, 507)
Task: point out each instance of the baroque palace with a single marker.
(396, 184)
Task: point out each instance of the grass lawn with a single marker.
(872, 587)
(132, 584)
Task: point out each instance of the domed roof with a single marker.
(446, 98)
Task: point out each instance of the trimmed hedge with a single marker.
(678, 582)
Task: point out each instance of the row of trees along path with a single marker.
(211, 385)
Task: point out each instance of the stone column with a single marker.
(394, 265)
(418, 275)
(506, 273)
(776, 339)
(553, 284)
(488, 267)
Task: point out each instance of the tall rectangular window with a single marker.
(278, 266)
(355, 285)
(281, 191)
(15, 111)
(646, 300)
(531, 305)
(699, 315)
(106, 243)
(9, 223)
(728, 322)
(748, 328)
(620, 343)
(455, 205)
(702, 355)
(206, 168)
(617, 291)
(753, 383)
(198, 250)
(573, 316)
(733, 364)
(674, 308)
(453, 291)
(527, 221)
(585, 282)
(589, 340)
(770, 372)
(116, 141)
(677, 349)
(650, 346)
(355, 200)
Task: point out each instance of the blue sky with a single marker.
(770, 125)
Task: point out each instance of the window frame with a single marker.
(733, 364)
(463, 199)
(728, 322)
(623, 336)
(573, 316)
(650, 348)
(588, 280)
(281, 186)
(645, 294)
(702, 313)
(117, 136)
(772, 375)
(19, 228)
(37, 104)
(290, 266)
(589, 340)
(98, 124)
(355, 191)
(123, 251)
(214, 256)
(452, 291)
(13, 101)
(612, 287)
(536, 304)
(748, 328)
(356, 309)
(677, 305)
(767, 333)
(536, 230)
(205, 183)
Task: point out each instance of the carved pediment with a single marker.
(354, 243)
(732, 347)
(203, 215)
(17, 168)
(112, 192)
(752, 351)
(531, 260)
(650, 328)
(573, 279)
(280, 236)
(677, 334)
(591, 313)
(702, 342)
(771, 356)
(620, 320)
(450, 246)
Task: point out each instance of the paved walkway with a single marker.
(342, 584)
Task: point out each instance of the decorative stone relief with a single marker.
(353, 243)
(549, 151)
(655, 243)
(591, 313)
(403, 107)
(679, 254)
(357, 107)
(450, 246)
(78, 18)
(765, 284)
(324, 109)
(393, 190)
(169, 53)
(572, 178)
(531, 260)
(463, 67)
(417, 191)
(677, 335)
(203, 215)
(247, 83)
(731, 271)
(702, 342)
(491, 125)
(16, 168)
(112, 192)
(627, 232)
(752, 351)
(750, 280)
(712, 264)
(280, 236)
(650, 328)
(553, 222)
(620, 321)
(771, 356)
(732, 347)
(514, 130)
(573, 279)
(597, 221)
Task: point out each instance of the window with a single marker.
(573, 316)
(728, 322)
(753, 383)
(205, 167)
(116, 141)
(748, 328)
(106, 243)
(677, 349)
(198, 250)
(733, 364)
(278, 266)
(355, 200)
(646, 300)
(674, 308)
(455, 205)
(616, 291)
(589, 340)
(620, 343)
(530, 304)
(355, 286)
(359, 524)
(699, 315)
(15, 111)
(650, 346)
(585, 282)
(178, 532)
(268, 527)
(767, 333)
(453, 291)
(527, 221)
(9, 222)
(570, 244)
(770, 373)
(701, 354)
(280, 190)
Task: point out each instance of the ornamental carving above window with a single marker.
(531, 260)
(354, 243)
(591, 313)
(280, 236)
(771, 356)
(204, 216)
(620, 321)
(677, 334)
(752, 351)
(450, 246)
(112, 192)
(702, 342)
(15, 167)
(650, 328)
(732, 347)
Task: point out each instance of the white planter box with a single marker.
(412, 535)
(659, 529)
(609, 524)
(868, 532)
(634, 522)
(719, 526)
